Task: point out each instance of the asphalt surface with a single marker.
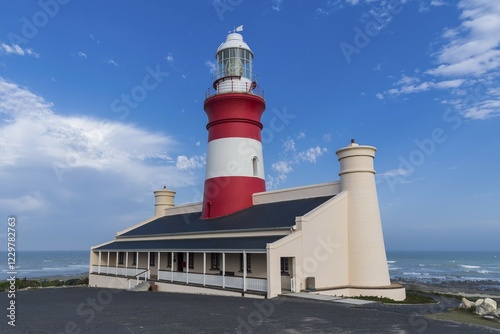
(98, 310)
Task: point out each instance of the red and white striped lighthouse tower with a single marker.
(235, 165)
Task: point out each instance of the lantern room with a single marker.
(234, 58)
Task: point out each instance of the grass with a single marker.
(27, 283)
(411, 299)
(465, 316)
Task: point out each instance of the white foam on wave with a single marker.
(469, 267)
(394, 268)
(484, 272)
(391, 262)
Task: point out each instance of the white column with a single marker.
(187, 267)
(158, 269)
(172, 267)
(223, 270)
(107, 265)
(99, 264)
(126, 264)
(136, 262)
(244, 271)
(149, 264)
(204, 266)
(116, 264)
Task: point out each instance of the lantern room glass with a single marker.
(234, 62)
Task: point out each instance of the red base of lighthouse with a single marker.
(223, 195)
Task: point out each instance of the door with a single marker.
(180, 261)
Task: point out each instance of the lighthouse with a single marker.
(234, 106)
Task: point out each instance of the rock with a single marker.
(466, 304)
(487, 307)
(479, 301)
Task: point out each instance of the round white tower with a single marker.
(163, 199)
(235, 164)
(367, 258)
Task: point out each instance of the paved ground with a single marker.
(95, 310)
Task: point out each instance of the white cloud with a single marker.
(291, 157)
(170, 58)
(422, 87)
(472, 48)
(395, 172)
(312, 154)
(189, 164)
(17, 50)
(82, 54)
(282, 169)
(277, 5)
(438, 3)
(211, 66)
(62, 165)
(379, 96)
(468, 58)
(327, 137)
(112, 62)
(301, 135)
(33, 132)
(289, 145)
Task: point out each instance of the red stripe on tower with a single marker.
(235, 164)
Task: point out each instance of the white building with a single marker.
(244, 240)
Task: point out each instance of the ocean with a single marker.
(417, 265)
(433, 266)
(38, 264)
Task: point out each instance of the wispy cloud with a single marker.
(82, 55)
(112, 62)
(277, 5)
(468, 56)
(211, 66)
(292, 156)
(17, 50)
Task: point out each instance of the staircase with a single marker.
(143, 286)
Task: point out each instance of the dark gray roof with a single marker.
(278, 215)
(208, 244)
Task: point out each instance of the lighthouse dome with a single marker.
(234, 40)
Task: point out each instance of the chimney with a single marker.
(163, 199)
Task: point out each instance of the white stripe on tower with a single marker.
(234, 157)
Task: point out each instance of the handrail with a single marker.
(137, 276)
(236, 86)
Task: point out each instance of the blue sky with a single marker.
(101, 104)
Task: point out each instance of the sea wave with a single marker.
(469, 267)
(391, 262)
(484, 272)
(412, 273)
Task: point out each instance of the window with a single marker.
(169, 260)
(134, 258)
(152, 259)
(249, 263)
(284, 265)
(121, 256)
(255, 160)
(215, 261)
(191, 260)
